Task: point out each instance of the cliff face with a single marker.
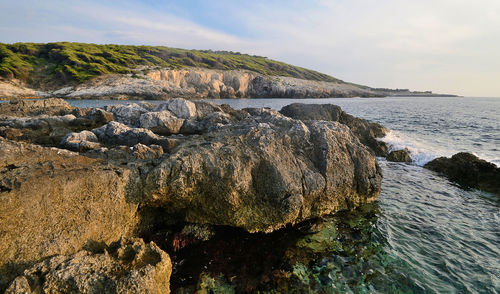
(195, 83)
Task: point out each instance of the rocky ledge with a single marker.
(101, 175)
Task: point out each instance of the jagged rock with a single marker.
(468, 170)
(128, 266)
(54, 201)
(141, 151)
(179, 107)
(115, 133)
(399, 156)
(367, 132)
(127, 114)
(161, 122)
(264, 171)
(204, 108)
(47, 130)
(209, 122)
(32, 107)
(82, 141)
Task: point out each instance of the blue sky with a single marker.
(448, 46)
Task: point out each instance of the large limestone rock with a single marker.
(367, 132)
(128, 266)
(82, 141)
(161, 122)
(264, 171)
(127, 114)
(468, 170)
(55, 201)
(179, 107)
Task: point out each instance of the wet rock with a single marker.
(468, 170)
(399, 156)
(82, 141)
(32, 107)
(179, 107)
(128, 266)
(161, 122)
(367, 132)
(54, 201)
(264, 171)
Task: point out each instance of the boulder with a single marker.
(127, 114)
(181, 108)
(32, 107)
(161, 122)
(54, 201)
(82, 141)
(399, 156)
(469, 171)
(367, 132)
(263, 172)
(128, 266)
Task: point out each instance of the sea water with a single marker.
(424, 234)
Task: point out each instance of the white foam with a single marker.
(421, 152)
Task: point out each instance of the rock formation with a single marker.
(399, 156)
(254, 169)
(126, 266)
(157, 83)
(468, 170)
(367, 132)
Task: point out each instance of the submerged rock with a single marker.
(264, 171)
(367, 132)
(468, 170)
(128, 266)
(399, 156)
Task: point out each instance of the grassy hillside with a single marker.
(65, 62)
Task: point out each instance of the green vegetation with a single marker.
(77, 62)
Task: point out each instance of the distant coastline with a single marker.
(90, 71)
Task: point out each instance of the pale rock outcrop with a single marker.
(161, 122)
(127, 114)
(128, 266)
(115, 133)
(82, 141)
(181, 108)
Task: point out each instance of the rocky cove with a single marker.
(82, 188)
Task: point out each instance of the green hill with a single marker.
(63, 62)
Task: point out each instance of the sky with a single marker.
(446, 46)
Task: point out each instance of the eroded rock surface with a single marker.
(54, 201)
(367, 132)
(264, 171)
(127, 266)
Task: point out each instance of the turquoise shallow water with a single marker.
(423, 235)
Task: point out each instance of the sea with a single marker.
(424, 234)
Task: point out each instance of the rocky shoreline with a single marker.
(195, 83)
(78, 186)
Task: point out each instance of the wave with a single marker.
(422, 151)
